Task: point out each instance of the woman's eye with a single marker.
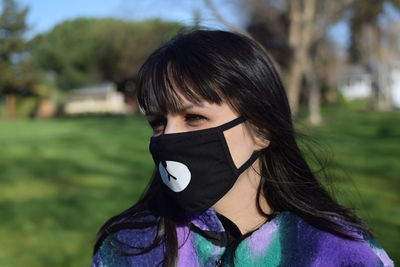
(193, 118)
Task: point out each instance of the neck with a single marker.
(240, 203)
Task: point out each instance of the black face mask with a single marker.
(196, 167)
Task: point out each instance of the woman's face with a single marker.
(191, 117)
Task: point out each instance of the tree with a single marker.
(16, 76)
(123, 47)
(83, 51)
(293, 32)
(367, 46)
(69, 52)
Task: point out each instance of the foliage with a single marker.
(17, 75)
(362, 15)
(85, 50)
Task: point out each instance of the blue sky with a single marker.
(44, 14)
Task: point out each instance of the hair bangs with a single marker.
(163, 81)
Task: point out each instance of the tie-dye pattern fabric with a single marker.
(287, 240)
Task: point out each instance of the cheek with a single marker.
(240, 144)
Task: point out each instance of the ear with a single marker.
(260, 142)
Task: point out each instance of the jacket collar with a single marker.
(215, 227)
(205, 220)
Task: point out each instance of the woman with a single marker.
(231, 187)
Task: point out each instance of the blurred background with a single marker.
(74, 148)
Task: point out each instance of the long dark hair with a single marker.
(216, 66)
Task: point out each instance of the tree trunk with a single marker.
(295, 75)
(46, 109)
(385, 88)
(314, 99)
(11, 103)
(295, 70)
(132, 103)
(302, 19)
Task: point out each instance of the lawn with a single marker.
(61, 179)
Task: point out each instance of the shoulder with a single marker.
(311, 246)
(125, 247)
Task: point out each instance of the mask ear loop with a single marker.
(250, 161)
(231, 124)
(255, 154)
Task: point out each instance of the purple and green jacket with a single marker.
(286, 240)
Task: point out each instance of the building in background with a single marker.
(395, 76)
(358, 83)
(96, 99)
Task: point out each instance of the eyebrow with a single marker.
(180, 109)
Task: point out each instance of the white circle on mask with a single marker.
(176, 175)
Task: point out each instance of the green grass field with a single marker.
(61, 179)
